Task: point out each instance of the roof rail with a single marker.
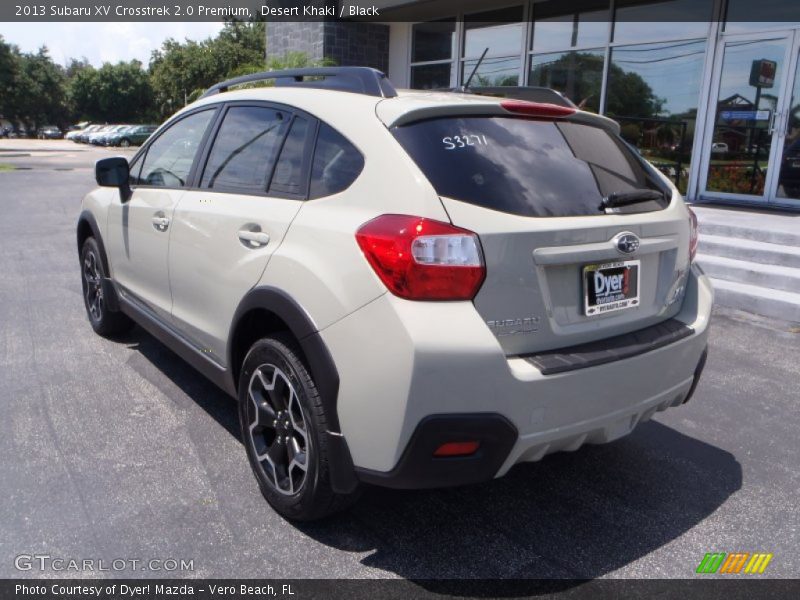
(359, 80)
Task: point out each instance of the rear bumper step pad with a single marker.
(609, 350)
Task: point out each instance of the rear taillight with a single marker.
(537, 109)
(422, 259)
(693, 234)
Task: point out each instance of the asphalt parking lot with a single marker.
(118, 449)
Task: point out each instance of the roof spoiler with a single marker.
(514, 92)
(359, 80)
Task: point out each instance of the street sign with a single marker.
(762, 73)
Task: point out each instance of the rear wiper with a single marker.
(616, 199)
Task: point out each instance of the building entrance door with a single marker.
(753, 151)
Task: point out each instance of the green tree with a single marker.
(112, 93)
(38, 92)
(629, 95)
(181, 71)
(124, 92)
(82, 99)
(579, 75)
(8, 77)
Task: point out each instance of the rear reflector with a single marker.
(457, 449)
(537, 109)
(422, 259)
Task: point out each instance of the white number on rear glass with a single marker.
(456, 142)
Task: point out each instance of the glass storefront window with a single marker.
(789, 178)
(576, 74)
(426, 77)
(644, 20)
(653, 91)
(500, 31)
(432, 41)
(555, 28)
(493, 72)
(643, 79)
(433, 44)
(747, 15)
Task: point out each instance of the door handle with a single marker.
(160, 222)
(253, 239)
(773, 122)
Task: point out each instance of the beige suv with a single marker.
(409, 289)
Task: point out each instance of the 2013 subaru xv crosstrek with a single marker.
(411, 289)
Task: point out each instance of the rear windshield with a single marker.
(528, 167)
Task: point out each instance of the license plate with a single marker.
(610, 286)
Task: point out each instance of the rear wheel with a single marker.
(284, 430)
(104, 321)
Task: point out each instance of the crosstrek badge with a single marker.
(611, 286)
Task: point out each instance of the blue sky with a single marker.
(102, 42)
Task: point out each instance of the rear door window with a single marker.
(291, 170)
(244, 149)
(527, 167)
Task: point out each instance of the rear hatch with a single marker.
(565, 265)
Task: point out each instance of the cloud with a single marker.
(102, 42)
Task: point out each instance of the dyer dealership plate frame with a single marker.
(610, 287)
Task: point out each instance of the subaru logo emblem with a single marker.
(627, 242)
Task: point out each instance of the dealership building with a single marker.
(708, 94)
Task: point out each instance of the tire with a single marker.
(104, 321)
(287, 431)
(125, 143)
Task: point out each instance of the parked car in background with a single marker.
(74, 130)
(135, 135)
(99, 132)
(75, 136)
(50, 132)
(20, 132)
(719, 148)
(82, 136)
(99, 138)
(105, 139)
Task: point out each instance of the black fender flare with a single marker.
(109, 291)
(87, 217)
(320, 362)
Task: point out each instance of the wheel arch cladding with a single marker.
(87, 227)
(266, 310)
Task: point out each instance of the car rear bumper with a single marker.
(403, 363)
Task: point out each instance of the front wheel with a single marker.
(284, 429)
(125, 143)
(104, 321)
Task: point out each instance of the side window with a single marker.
(288, 175)
(244, 149)
(336, 165)
(169, 158)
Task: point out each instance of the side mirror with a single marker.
(114, 172)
